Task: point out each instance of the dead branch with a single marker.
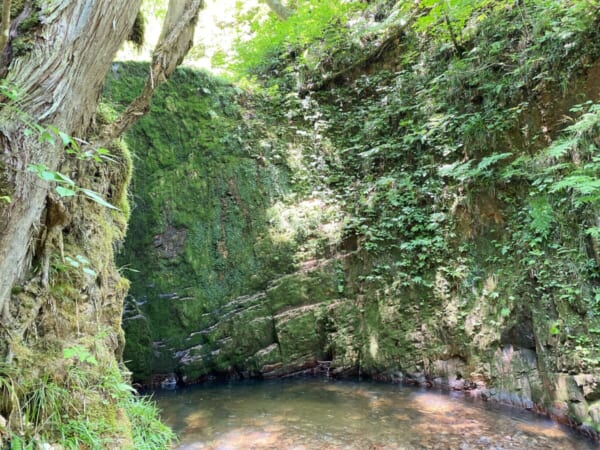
(174, 43)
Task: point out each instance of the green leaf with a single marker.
(593, 232)
(457, 170)
(103, 153)
(46, 137)
(583, 184)
(124, 387)
(36, 168)
(60, 178)
(15, 443)
(97, 198)
(561, 147)
(66, 139)
(542, 216)
(489, 160)
(65, 192)
(90, 272)
(72, 262)
(47, 175)
(71, 351)
(80, 353)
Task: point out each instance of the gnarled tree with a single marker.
(59, 70)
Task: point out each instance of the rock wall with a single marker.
(371, 229)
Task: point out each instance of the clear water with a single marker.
(311, 414)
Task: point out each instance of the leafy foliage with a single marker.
(66, 187)
(438, 163)
(80, 353)
(148, 432)
(450, 184)
(446, 20)
(50, 135)
(312, 20)
(581, 176)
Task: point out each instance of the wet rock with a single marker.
(521, 334)
(590, 386)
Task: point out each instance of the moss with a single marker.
(22, 43)
(443, 257)
(201, 202)
(80, 309)
(299, 337)
(304, 288)
(16, 7)
(138, 31)
(121, 179)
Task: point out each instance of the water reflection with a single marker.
(319, 414)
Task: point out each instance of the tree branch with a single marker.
(5, 24)
(280, 10)
(175, 41)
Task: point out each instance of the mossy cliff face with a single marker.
(204, 183)
(418, 223)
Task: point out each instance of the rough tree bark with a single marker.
(60, 78)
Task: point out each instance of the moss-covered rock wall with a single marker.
(422, 220)
(205, 180)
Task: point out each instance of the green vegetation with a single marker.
(196, 147)
(62, 408)
(75, 396)
(402, 187)
(65, 186)
(405, 185)
(311, 21)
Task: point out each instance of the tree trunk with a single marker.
(282, 11)
(59, 286)
(60, 79)
(4, 24)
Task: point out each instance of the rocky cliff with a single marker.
(428, 217)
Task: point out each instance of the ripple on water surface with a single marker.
(319, 414)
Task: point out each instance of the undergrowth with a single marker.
(63, 409)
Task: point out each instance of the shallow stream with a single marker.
(313, 414)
